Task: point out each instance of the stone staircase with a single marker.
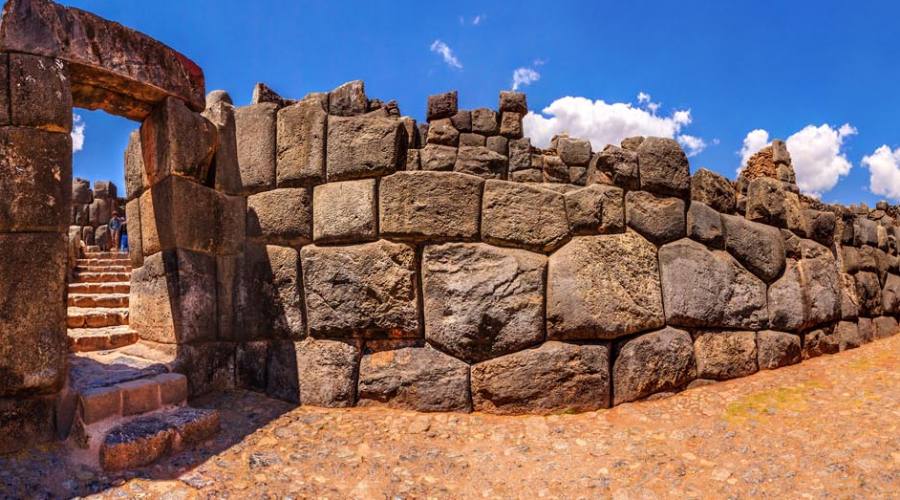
(127, 407)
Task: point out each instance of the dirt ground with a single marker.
(829, 427)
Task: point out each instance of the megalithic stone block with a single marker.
(35, 179)
(81, 191)
(173, 297)
(39, 93)
(225, 162)
(255, 128)
(136, 180)
(177, 141)
(179, 213)
(300, 156)
(105, 189)
(135, 242)
(32, 313)
(361, 147)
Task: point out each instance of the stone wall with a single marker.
(91, 211)
(364, 259)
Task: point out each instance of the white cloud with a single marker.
(692, 145)
(605, 123)
(524, 76)
(816, 154)
(643, 97)
(478, 19)
(884, 172)
(753, 142)
(77, 133)
(439, 47)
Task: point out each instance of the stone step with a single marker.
(103, 262)
(98, 300)
(95, 253)
(146, 439)
(81, 317)
(90, 277)
(100, 339)
(101, 287)
(102, 268)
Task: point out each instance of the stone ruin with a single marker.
(91, 211)
(329, 251)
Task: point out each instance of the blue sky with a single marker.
(735, 66)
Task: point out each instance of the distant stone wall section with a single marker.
(361, 258)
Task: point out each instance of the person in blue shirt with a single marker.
(115, 229)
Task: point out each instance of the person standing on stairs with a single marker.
(115, 228)
(123, 236)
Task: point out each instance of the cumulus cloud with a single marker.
(524, 76)
(692, 145)
(608, 123)
(816, 152)
(446, 53)
(884, 172)
(753, 142)
(77, 133)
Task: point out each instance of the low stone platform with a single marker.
(821, 429)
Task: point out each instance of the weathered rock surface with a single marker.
(313, 372)
(414, 378)
(553, 378)
(345, 212)
(482, 301)
(437, 157)
(726, 354)
(361, 289)
(256, 132)
(890, 295)
(33, 164)
(360, 147)
(516, 214)
(480, 161)
(868, 290)
(885, 326)
(703, 288)
(820, 341)
(664, 167)
(281, 216)
(808, 294)
(177, 141)
(705, 225)
(603, 287)
(32, 323)
(442, 105)
(757, 246)
(713, 190)
(616, 166)
(430, 205)
(595, 209)
(300, 153)
(349, 99)
(653, 362)
(777, 349)
(849, 335)
(659, 219)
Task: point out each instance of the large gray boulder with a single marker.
(603, 287)
(653, 362)
(806, 295)
(890, 295)
(300, 153)
(480, 161)
(725, 354)
(522, 215)
(345, 212)
(482, 301)
(777, 349)
(556, 377)
(595, 209)
(280, 216)
(664, 168)
(868, 290)
(313, 372)
(713, 190)
(360, 147)
(357, 289)
(705, 225)
(760, 248)
(703, 288)
(432, 206)
(615, 166)
(414, 378)
(821, 341)
(659, 219)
